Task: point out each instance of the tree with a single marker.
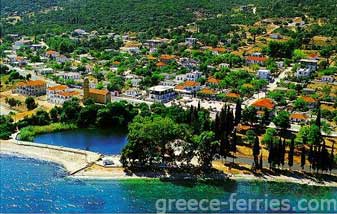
(238, 112)
(303, 157)
(291, 153)
(282, 120)
(326, 53)
(249, 115)
(256, 152)
(54, 114)
(234, 143)
(251, 136)
(30, 103)
(206, 147)
(12, 102)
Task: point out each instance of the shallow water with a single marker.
(106, 141)
(29, 185)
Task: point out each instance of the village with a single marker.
(246, 74)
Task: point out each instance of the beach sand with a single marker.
(84, 165)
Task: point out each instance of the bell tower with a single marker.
(86, 89)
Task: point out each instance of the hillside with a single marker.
(149, 15)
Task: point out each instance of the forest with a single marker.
(155, 17)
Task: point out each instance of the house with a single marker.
(99, 96)
(132, 92)
(31, 88)
(62, 59)
(53, 90)
(212, 81)
(191, 41)
(264, 74)
(36, 47)
(155, 43)
(130, 50)
(303, 73)
(51, 54)
(188, 63)
(191, 76)
(80, 33)
(328, 79)
(260, 60)
(207, 92)
(161, 93)
(275, 36)
(311, 102)
(167, 58)
(218, 50)
(188, 87)
(298, 117)
(310, 64)
(60, 93)
(43, 71)
(264, 103)
(70, 75)
(223, 65)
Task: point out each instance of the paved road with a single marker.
(270, 87)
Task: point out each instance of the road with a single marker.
(270, 87)
(24, 72)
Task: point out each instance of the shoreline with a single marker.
(82, 164)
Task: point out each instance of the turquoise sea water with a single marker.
(29, 185)
(106, 141)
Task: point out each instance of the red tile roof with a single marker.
(207, 91)
(257, 58)
(32, 83)
(299, 116)
(308, 99)
(233, 95)
(264, 103)
(213, 80)
(69, 93)
(57, 87)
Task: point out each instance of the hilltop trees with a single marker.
(30, 103)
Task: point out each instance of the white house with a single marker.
(311, 64)
(44, 71)
(70, 75)
(303, 73)
(263, 74)
(190, 41)
(161, 93)
(328, 79)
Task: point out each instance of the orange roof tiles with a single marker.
(167, 57)
(116, 63)
(219, 49)
(186, 84)
(257, 58)
(32, 83)
(248, 85)
(98, 91)
(264, 103)
(69, 93)
(213, 80)
(58, 88)
(299, 116)
(233, 95)
(160, 64)
(208, 91)
(308, 99)
(150, 57)
(51, 52)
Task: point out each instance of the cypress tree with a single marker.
(303, 157)
(270, 155)
(261, 161)
(238, 112)
(311, 156)
(256, 151)
(234, 143)
(291, 153)
(282, 152)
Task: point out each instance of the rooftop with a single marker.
(57, 88)
(32, 83)
(264, 103)
(98, 91)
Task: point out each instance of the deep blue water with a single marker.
(29, 185)
(107, 141)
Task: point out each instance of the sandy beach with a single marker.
(86, 165)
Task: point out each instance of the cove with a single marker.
(34, 186)
(104, 141)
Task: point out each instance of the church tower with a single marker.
(86, 89)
